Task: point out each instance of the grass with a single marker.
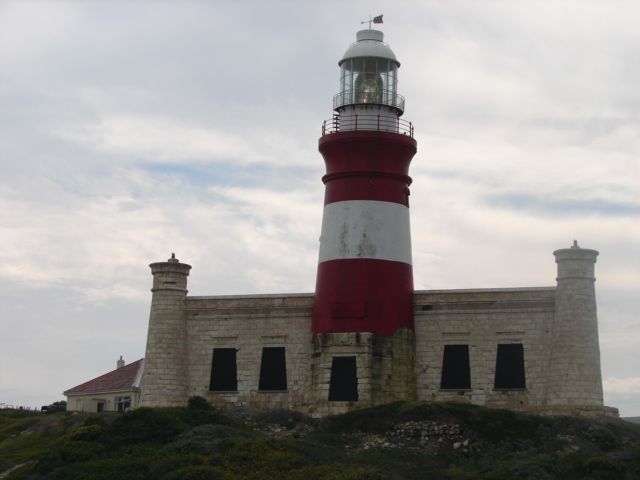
(202, 443)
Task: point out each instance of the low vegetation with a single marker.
(396, 441)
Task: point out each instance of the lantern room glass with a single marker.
(368, 80)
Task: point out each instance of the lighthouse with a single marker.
(362, 318)
(365, 337)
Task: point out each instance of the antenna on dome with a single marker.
(377, 19)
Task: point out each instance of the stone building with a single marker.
(365, 336)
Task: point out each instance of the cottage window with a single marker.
(455, 368)
(224, 370)
(510, 366)
(273, 369)
(123, 404)
(343, 385)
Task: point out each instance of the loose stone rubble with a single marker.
(414, 435)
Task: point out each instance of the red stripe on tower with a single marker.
(365, 278)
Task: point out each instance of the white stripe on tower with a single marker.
(365, 229)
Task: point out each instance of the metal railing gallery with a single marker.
(375, 123)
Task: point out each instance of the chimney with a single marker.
(120, 363)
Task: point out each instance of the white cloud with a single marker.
(161, 140)
(627, 387)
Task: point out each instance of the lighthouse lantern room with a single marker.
(368, 74)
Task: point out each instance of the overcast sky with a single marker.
(132, 129)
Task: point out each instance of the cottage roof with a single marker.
(124, 378)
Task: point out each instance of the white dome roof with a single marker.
(369, 44)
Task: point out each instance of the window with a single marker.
(455, 368)
(273, 369)
(123, 404)
(344, 380)
(224, 372)
(100, 407)
(510, 366)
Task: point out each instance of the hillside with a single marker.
(397, 441)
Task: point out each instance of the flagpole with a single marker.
(367, 21)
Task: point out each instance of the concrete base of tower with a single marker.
(352, 370)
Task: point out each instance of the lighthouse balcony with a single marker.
(369, 96)
(352, 122)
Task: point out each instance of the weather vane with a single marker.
(377, 19)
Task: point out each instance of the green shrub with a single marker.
(317, 448)
(375, 419)
(201, 416)
(85, 432)
(286, 418)
(459, 473)
(146, 425)
(164, 462)
(4, 465)
(209, 437)
(336, 472)
(13, 422)
(120, 468)
(602, 465)
(199, 472)
(67, 452)
(254, 459)
(603, 438)
(518, 469)
(197, 402)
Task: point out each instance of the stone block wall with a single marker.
(248, 324)
(482, 319)
(556, 327)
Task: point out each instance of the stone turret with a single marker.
(574, 378)
(165, 375)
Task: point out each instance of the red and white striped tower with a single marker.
(365, 279)
(364, 345)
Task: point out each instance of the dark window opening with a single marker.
(100, 407)
(123, 404)
(510, 366)
(224, 371)
(273, 369)
(344, 380)
(455, 367)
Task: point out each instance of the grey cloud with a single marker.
(562, 206)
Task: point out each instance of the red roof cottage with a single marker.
(116, 391)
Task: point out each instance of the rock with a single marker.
(457, 445)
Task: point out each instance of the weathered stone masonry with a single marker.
(556, 327)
